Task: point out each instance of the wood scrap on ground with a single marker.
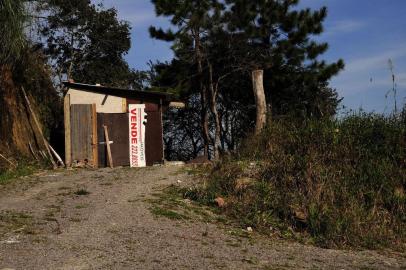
(32, 152)
(9, 161)
(39, 128)
(57, 156)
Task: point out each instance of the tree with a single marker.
(274, 36)
(192, 19)
(87, 43)
(238, 37)
(183, 140)
(260, 100)
(230, 116)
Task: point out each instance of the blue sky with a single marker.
(365, 33)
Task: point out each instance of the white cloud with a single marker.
(344, 26)
(376, 61)
(371, 72)
(402, 79)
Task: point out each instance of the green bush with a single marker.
(340, 183)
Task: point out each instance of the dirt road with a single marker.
(103, 220)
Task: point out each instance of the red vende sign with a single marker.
(137, 135)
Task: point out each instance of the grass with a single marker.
(16, 222)
(81, 192)
(333, 183)
(81, 206)
(251, 260)
(76, 220)
(171, 203)
(158, 211)
(22, 170)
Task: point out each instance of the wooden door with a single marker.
(83, 134)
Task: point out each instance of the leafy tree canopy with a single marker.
(87, 43)
(241, 35)
(217, 44)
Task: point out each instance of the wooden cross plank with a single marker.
(110, 158)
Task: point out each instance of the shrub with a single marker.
(340, 182)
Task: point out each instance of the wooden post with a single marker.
(110, 158)
(94, 137)
(162, 131)
(68, 149)
(39, 128)
(260, 101)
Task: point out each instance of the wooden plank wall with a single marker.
(81, 133)
(154, 141)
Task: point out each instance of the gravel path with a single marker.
(102, 220)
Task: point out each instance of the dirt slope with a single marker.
(49, 221)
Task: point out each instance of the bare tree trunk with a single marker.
(260, 101)
(203, 95)
(213, 107)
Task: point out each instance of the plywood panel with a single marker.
(104, 103)
(117, 124)
(95, 159)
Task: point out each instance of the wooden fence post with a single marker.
(94, 137)
(68, 149)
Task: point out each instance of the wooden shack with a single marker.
(121, 124)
